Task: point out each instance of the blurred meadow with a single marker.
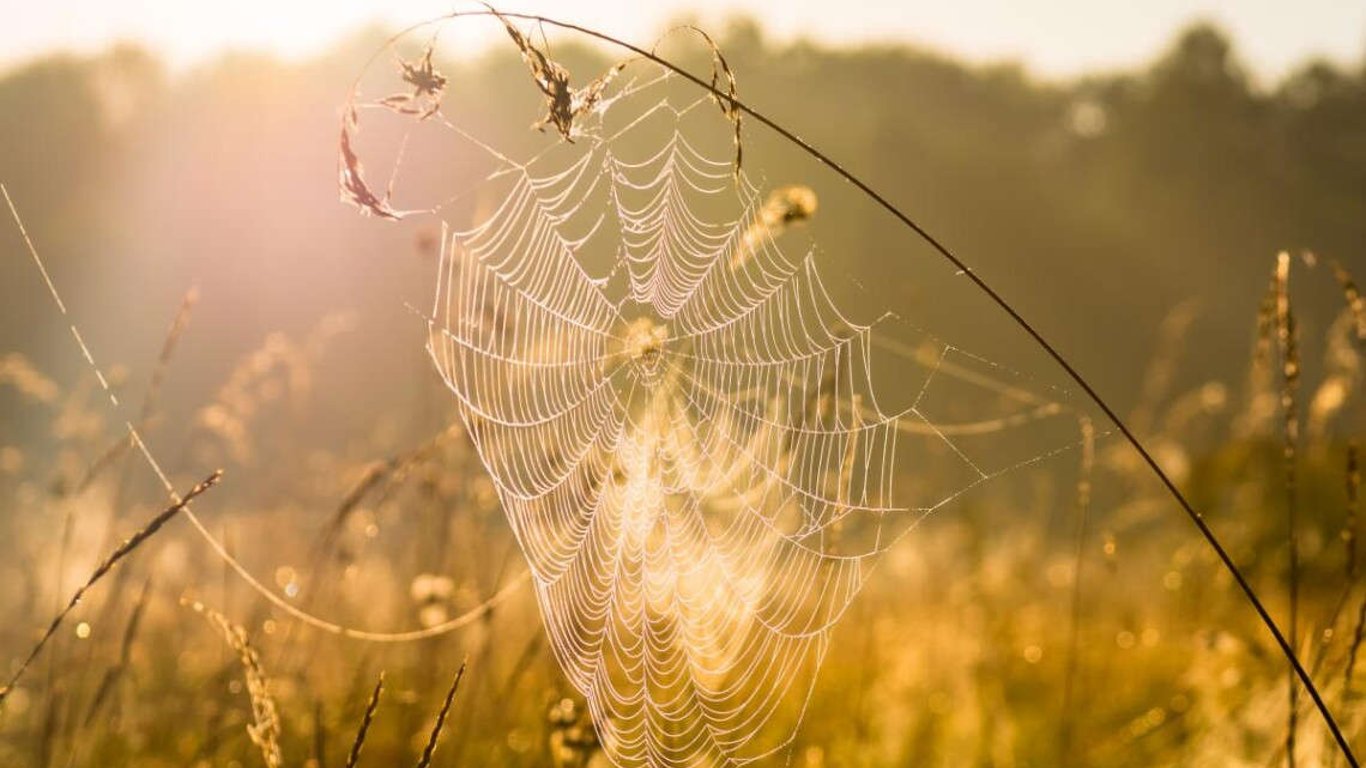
(1064, 614)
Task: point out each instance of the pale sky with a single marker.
(1054, 38)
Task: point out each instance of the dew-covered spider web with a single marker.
(700, 449)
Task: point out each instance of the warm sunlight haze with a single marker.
(1056, 38)
(682, 384)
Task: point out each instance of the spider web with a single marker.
(681, 423)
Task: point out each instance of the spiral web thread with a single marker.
(687, 442)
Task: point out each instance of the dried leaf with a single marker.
(351, 176)
(428, 86)
(550, 77)
(424, 78)
(564, 104)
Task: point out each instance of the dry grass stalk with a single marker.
(392, 470)
(1349, 526)
(1262, 402)
(100, 464)
(168, 347)
(1161, 371)
(1340, 377)
(1085, 471)
(430, 749)
(1357, 637)
(720, 70)
(1352, 294)
(319, 734)
(279, 370)
(116, 672)
(723, 89)
(354, 757)
(1288, 348)
(122, 551)
(265, 730)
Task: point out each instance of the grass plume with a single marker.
(1288, 352)
(264, 731)
(430, 749)
(353, 757)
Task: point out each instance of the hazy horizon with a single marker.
(1057, 40)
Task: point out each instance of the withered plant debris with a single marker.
(721, 71)
(351, 176)
(564, 103)
(428, 86)
(564, 106)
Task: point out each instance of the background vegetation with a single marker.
(1134, 216)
